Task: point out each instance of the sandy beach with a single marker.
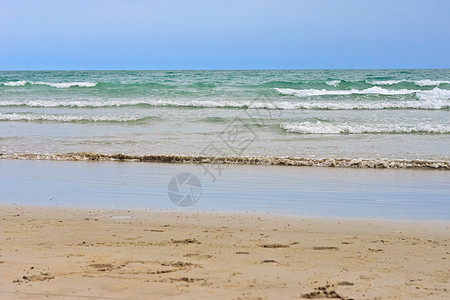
(224, 150)
(68, 253)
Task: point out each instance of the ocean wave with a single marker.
(427, 82)
(60, 85)
(70, 118)
(386, 82)
(346, 128)
(275, 161)
(14, 83)
(360, 105)
(423, 82)
(65, 85)
(434, 94)
(427, 100)
(286, 84)
(118, 103)
(314, 92)
(333, 83)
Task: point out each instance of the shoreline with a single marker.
(94, 253)
(362, 163)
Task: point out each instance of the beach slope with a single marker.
(63, 253)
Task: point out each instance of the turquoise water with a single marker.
(370, 114)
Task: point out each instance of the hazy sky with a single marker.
(252, 34)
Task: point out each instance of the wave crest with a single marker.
(314, 92)
(428, 100)
(423, 82)
(427, 82)
(334, 83)
(70, 118)
(60, 85)
(15, 83)
(346, 128)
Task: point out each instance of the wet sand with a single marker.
(67, 253)
(301, 191)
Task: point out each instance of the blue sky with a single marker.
(283, 34)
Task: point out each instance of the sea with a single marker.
(334, 118)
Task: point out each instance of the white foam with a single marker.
(434, 94)
(373, 90)
(381, 91)
(60, 85)
(65, 85)
(423, 82)
(66, 118)
(126, 102)
(15, 83)
(333, 82)
(427, 82)
(346, 128)
(435, 99)
(386, 82)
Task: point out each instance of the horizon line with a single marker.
(275, 69)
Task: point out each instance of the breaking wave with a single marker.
(70, 118)
(429, 101)
(60, 85)
(333, 83)
(370, 91)
(346, 128)
(423, 82)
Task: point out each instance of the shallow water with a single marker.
(300, 191)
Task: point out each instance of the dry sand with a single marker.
(59, 253)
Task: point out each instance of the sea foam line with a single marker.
(346, 128)
(60, 85)
(69, 118)
(431, 101)
(275, 161)
(434, 94)
(423, 82)
(376, 90)
(386, 82)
